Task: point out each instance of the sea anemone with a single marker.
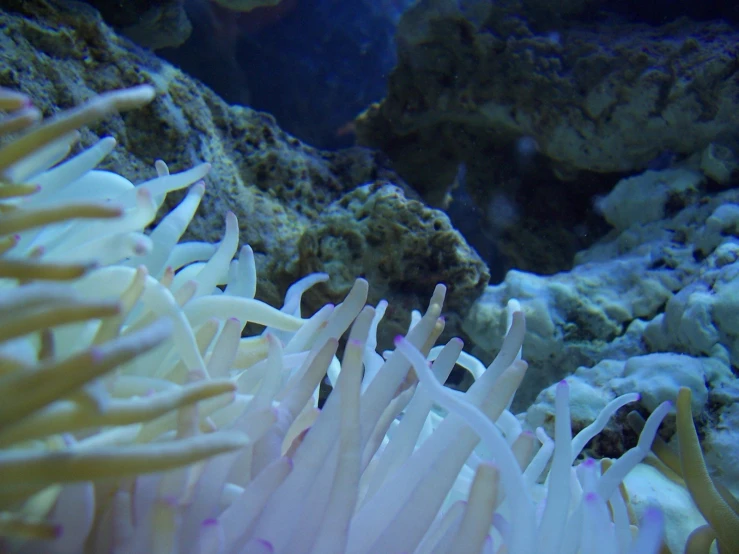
(135, 417)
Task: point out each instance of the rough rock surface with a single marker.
(656, 285)
(61, 53)
(603, 97)
(401, 246)
(597, 311)
(651, 307)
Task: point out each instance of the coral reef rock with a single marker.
(648, 309)
(604, 96)
(62, 53)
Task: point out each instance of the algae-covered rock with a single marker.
(401, 246)
(604, 96)
(61, 53)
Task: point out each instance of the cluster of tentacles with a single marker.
(136, 417)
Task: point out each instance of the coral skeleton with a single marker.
(136, 417)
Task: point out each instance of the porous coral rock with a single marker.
(646, 197)
(603, 97)
(351, 237)
(651, 285)
(652, 294)
(61, 53)
(576, 318)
